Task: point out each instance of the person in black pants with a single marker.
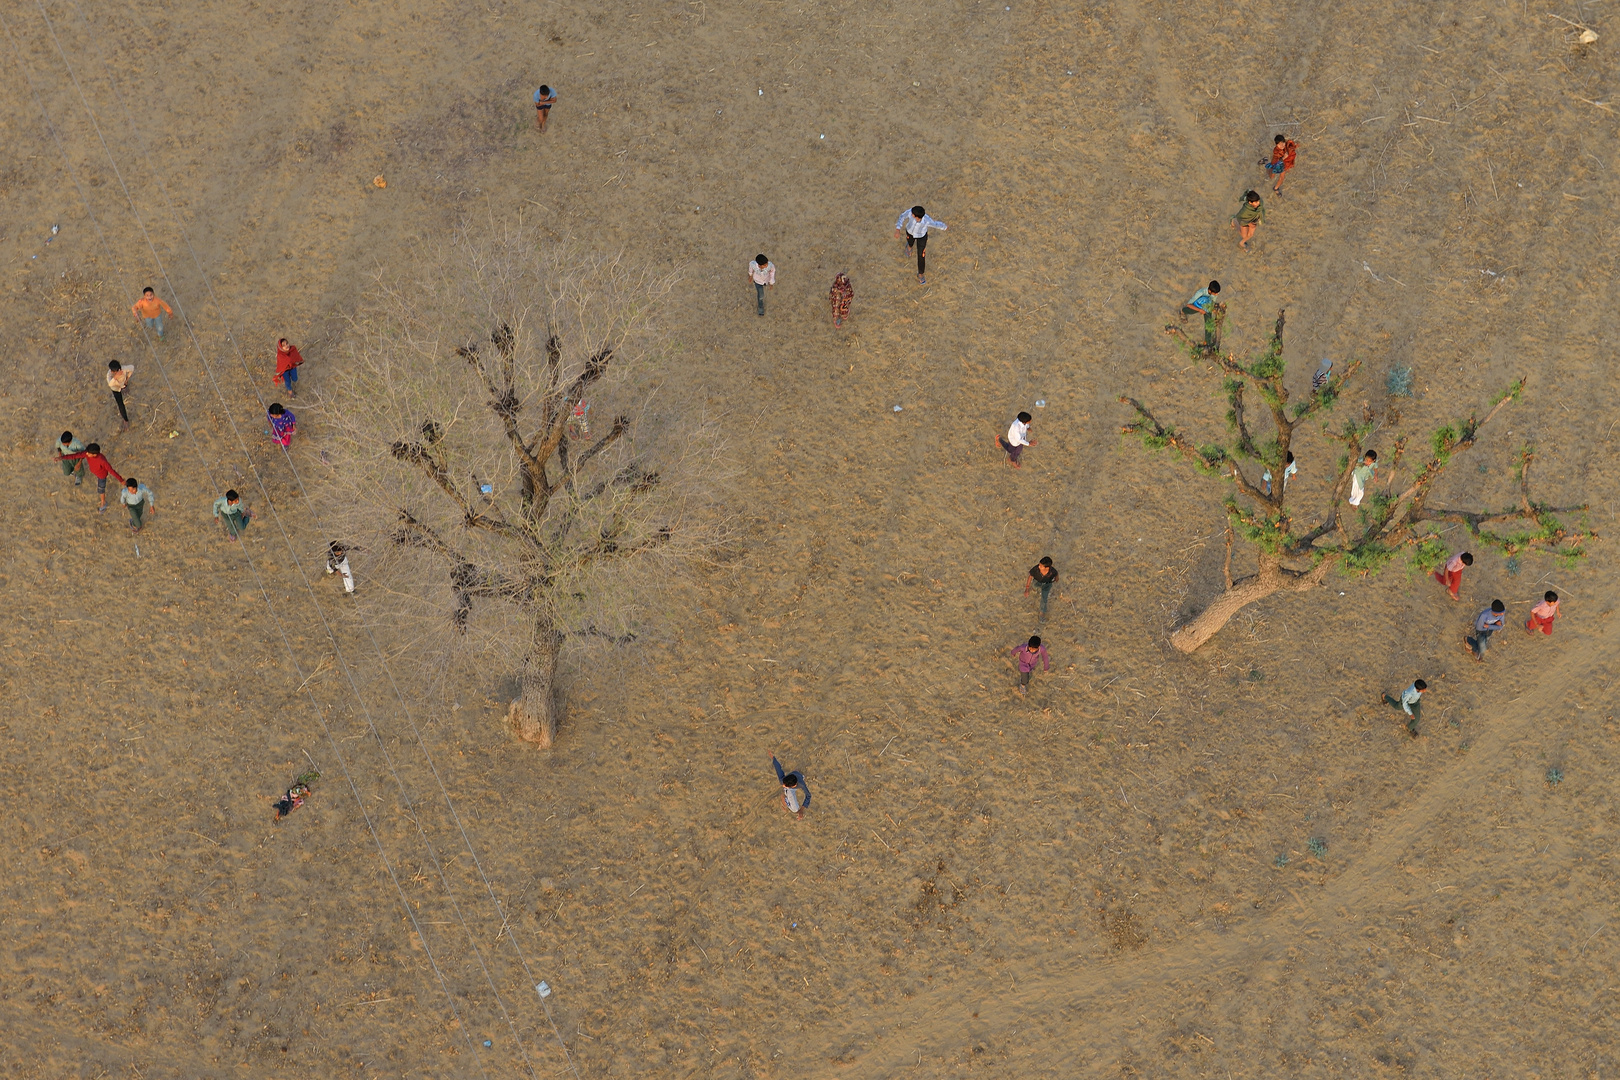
(118, 381)
(914, 224)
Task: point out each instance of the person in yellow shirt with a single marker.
(150, 310)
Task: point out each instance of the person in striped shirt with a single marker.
(914, 224)
(1543, 614)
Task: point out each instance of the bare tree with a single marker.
(506, 454)
(1295, 557)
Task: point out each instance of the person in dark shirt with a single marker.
(1043, 575)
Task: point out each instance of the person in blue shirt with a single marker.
(1411, 703)
(1486, 623)
(1204, 303)
(544, 99)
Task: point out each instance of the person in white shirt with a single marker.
(337, 562)
(1017, 438)
(118, 382)
(914, 224)
(762, 272)
(795, 792)
(137, 497)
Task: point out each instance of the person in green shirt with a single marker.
(1248, 218)
(230, 512)
(69, 445)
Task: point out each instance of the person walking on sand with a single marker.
(1016, 439)
(283, 424)
(1411, 703)
(1543, 614)
(842, 295)
(1026, 656)
(67, 449)
(1361, 476)
(544, 99)
(762, 272)
(99, 467)
(118, 382)
(150, 310)
(137, 498)
(337, 562)
(1450, 575)
(914, 224)
(795, 795)
(288, 360)
(1486, 623)
(229, 512)
(1283, 150)
(1042, 575)
(1251, 212)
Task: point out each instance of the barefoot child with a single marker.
(1411, 703)
(283, 424)
(1251, 212)
(137, 498)
(1283, 151)
(1543, 614)
(762, 272)
(1450, 575)
(544, 99)
(1026, 656)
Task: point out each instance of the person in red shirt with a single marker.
(1283, 151)
(99, 467)
(288, 360)
(1543, 614)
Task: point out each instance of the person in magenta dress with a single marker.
(283, 424)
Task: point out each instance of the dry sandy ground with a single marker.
(1083, 883)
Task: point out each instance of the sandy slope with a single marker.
(1083, 883)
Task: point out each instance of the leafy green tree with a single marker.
(1294, 555)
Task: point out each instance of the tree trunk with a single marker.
(1270, 578)
(533, 715)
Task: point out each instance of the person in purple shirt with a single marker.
(1027, 656)
(1486, 623)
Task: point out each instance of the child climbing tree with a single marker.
(494, 519)
(1294, 555)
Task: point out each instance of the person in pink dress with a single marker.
(1451, 574)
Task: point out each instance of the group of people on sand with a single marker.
(1489, 621)
(77, 458)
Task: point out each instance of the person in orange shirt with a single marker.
(150, 310)
(1543, 614)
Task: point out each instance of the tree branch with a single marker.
(419, 455)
